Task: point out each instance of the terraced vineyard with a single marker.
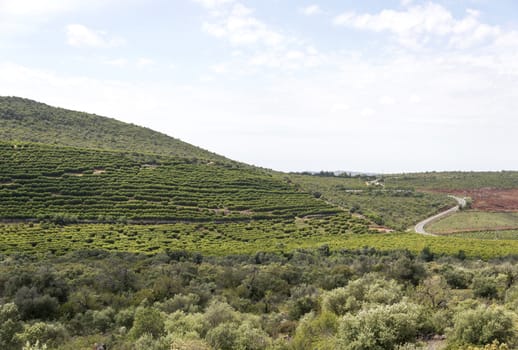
(223, 239)
(207, 238)
(68, 185)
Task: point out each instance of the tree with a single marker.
(433, 292)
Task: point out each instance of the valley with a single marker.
(112, 233)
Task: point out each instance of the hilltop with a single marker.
(30, 121)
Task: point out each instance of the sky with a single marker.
(375, 86)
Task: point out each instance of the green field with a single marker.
(503, 234)
(392, 206)
(474, 221)
(454, 180)
(232, 238)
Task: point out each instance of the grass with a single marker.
(454, 180)
(503, 234)
(474, 221)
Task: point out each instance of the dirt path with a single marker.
(419, 228)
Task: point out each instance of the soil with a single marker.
(489, 199)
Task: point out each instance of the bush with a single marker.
(382, 327)
(147, 321)
(223, 337)
(33, 305)
(50, 334)
(485, 287)
(482, 325)
(148, 342)
(251, 338)
(10, 324)
(316, 332)
(370, 288)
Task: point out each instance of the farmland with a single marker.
(495, 235)
(448, 181)
(391, 206)
(70, 184)
(475, 221)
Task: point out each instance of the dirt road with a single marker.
(419, 228)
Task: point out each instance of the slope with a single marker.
(71, 184)
(26, 120)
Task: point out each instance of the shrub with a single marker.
(316, 332)
(147, 321)
(482, 325)
(46, 333)
(33, 305)
(251, 338)
(381, 327)
(485, 287)
(10, 324)
(370, 288)
(223, 337)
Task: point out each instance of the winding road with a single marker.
(419, 228)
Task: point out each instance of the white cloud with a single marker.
(417, 25)
(118, 62)
(80, 36)
(311, 10)
(255, 43)
(219, 68)
(27, 16)
(145, 62)
(387, 101)
(415, 99)
(35, 7)
(211, 4)
(240, 27)
(368, 112)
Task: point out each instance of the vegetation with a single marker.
(29, 121)
(502, 234)
(474, 221)
(454, 180)
(364, 299)
(67, 185)
(168, 246)
(333, 233)
(394, 207)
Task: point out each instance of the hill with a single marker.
(30, 121)
(51, 182)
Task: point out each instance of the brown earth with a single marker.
(489, 199)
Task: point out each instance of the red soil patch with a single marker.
(489, 199)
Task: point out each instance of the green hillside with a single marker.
(70, 184)
(397, 205)
(25, 120)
